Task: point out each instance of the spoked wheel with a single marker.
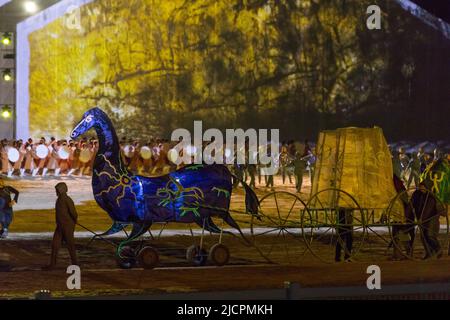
(276, 233)
(414, 232)
(148, 257)
(333, 226)
(126, 257)
(219, 254)
(196, 256)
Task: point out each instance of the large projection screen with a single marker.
(37, 37)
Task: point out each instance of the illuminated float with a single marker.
(193, 194)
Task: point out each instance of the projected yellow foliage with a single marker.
(154, 65)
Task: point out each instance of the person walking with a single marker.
(414, 166)
(5, 165)
(396, 164)
(285, 161)
(422, 158)
(6, 207)
(344, 241)
(251, 170)
(66, 219)
(403, 234)
(299, 169)
(404, 161)
(428, 211)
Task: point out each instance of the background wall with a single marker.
(301, 66)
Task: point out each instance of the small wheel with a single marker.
(219, 254)
(148, 257)
(196, 255)
(126, 257)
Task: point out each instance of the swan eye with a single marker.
(88, 119)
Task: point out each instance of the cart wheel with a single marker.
(148, 257)
(196, 255)
(276, 233)
(333, 226)
(126, 257)
(219, 254)
(407, 227)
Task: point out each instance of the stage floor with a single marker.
(21, 274)
(28, 250)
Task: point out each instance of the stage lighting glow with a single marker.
(6, 112)
(7, 75)
(30, 6)
(6, 39)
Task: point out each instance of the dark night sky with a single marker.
(439, 8)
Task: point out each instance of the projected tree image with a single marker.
(156, 65)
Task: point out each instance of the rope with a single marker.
(96, 234)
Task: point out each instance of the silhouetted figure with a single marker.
(66, 219)
(403, 232)
(299, 169)
(415, 166)
(428, 210)
(345, 234)
(251, 169)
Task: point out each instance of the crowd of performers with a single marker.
(43, 157)
(68, 157)
(409, 167)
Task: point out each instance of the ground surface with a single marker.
(274, 257)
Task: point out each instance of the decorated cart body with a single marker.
(356, 161)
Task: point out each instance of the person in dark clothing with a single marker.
(269, 181)
(415, 167)
(404, 231)
(239, 172)
(285, 164)
(66, 219)
(345, 234)
(428, 210)
(299, 164)
(6, 207)
(266, 172)
(251, 169)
